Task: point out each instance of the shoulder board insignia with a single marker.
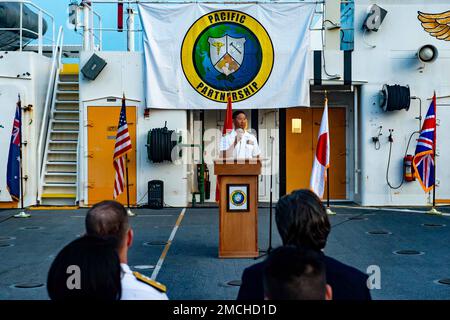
(155, 284)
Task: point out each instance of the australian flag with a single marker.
(13, 170)
(423, 161)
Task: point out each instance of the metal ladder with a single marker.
(59, 173)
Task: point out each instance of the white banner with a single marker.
(197, 53)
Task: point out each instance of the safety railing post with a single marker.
(40, 32)
(21, 22)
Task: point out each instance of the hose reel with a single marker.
(395, 97)
(160, 144)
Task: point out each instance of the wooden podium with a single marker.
(238, 207)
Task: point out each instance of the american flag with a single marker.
(121, 148)
(423, 161)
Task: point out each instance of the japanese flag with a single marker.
(322, 156)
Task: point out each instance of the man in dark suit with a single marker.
(302, 221)
(296, 273)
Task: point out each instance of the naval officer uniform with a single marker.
(246, 148)
(136, 286)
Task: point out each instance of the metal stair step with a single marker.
(68, 86)
(71, 83)
(59, 184)
(64, 131)
(66, 121)
(66, 111)
(64, 141)
(65, 137)
(68, 91)
(61, 163)
(68, 77)
(60, 173)
(62, 151)
(65, 150)
(59, 195)
(67, 101)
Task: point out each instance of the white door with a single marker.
(268, 141)
(442, 154)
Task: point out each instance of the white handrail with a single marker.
(49, 105)
(40, 14)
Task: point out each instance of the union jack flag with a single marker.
(121, 148)
(423, 161)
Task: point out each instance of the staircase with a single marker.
(59, 176)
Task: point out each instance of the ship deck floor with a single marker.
(192, 270)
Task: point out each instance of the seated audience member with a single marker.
(110, 219)
(302, 220)
(295, 273)
(88, 268)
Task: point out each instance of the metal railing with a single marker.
(92, 32)
(49, 107)
(89, 35)
(130, 30)
(21, 29)
(206, 1)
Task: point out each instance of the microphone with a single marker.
(240, 132)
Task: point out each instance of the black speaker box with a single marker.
(93, 67)
(156, 194)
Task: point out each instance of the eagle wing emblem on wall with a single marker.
(436, 24)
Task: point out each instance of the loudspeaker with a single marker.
(374, 18)
(156, 194)
(427, 53)
(93, 67)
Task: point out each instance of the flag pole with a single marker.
(433, 209)
(129, 212)
(329, 211)
(22, 213)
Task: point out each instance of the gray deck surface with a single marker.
(191, 269)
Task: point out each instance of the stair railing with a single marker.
(49, 108)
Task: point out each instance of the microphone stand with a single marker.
(269, 249)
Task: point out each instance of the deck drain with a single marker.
(234, 283)
(379, 232)
(7, 238)
(409, 252)
(444, 281)
(31, 228)
(155, 243)
(28, 285)
(4, 245)
(433, 225)
(144, 267)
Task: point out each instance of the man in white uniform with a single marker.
(239, 143)
(110, 219)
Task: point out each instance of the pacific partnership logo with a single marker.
(227, 52)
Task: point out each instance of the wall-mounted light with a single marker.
(296, 125)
